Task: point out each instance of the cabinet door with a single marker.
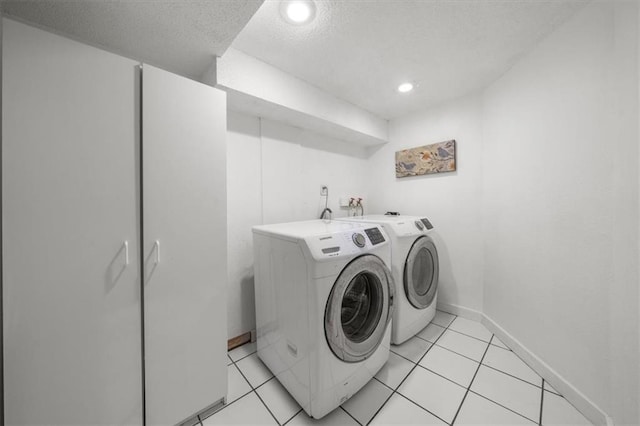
(72, 320)
(184, 234)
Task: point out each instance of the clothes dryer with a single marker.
(324, 300)
(415, 269)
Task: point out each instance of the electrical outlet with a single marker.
(324, 190)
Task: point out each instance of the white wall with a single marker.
(244, 209)
(561, 204)
(274, 174)
(450, 200)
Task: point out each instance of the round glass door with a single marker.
(359, 309)
(421, 273)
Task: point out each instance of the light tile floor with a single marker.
(453, 372)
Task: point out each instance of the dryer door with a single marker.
(421, 273)
(359, 309)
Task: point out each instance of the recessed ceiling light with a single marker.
(405, 87)
(298, 12)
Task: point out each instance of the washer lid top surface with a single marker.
(308, 228)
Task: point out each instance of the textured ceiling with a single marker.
(360, 51)
(180, 36)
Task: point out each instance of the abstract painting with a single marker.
(423, 160)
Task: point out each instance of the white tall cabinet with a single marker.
(71, 324)
(185, 240)
(114, 250)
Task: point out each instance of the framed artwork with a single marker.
(427, 159)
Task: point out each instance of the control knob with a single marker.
(358, 239)
(419, 225)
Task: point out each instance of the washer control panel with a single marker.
(351, 242)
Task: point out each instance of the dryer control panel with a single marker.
(409, 226)
(426, 223)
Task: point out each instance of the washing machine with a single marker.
(324, 302)
(415, 269)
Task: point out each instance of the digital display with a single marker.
(426, 223)
(375, 236)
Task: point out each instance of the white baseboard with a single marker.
(587, 407)
(461, 311)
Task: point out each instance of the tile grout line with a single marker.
(410, 360)
(245, 379)
(254, 391)
(458, 353)
(264, 383)
(411, 371)
(550, 391)
(481, 362)
(541, 403)
(521, 360)
(418, 361)
(473, 337)
(232, 402)
(383, 383)
(410, 400)
(420, 406)
(257, 394)
(554, 393)
(349, 414)
(484, 341)
(240, 359)
(292, 417)
(504, 348)
(265, 406)
(501, 405)
(496, 402)
(235, 400)
(444, 377)
(511, 375)
(471, 383)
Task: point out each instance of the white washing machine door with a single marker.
(421, 273)
(359, 308)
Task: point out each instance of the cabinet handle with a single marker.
(157, 246)
(126, 253)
